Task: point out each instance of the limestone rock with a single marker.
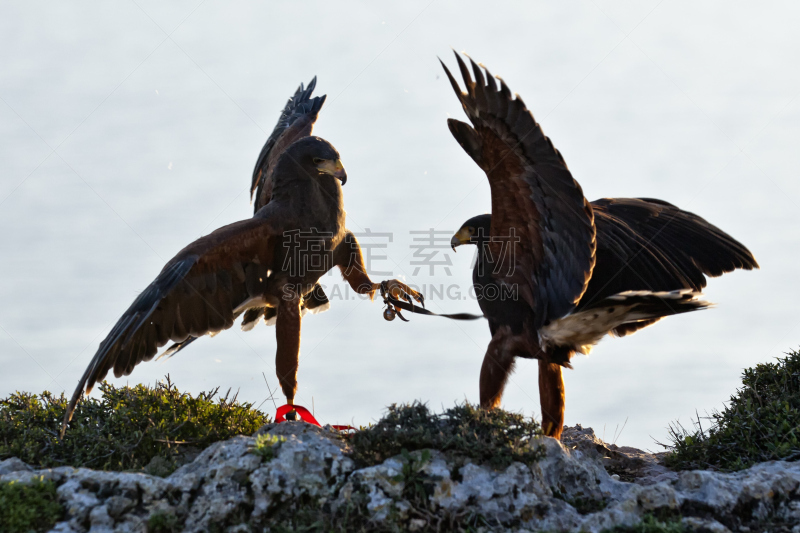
(229, 488)
(628, 464)
(13, 465)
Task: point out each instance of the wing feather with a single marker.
(647, 244)
(535, 199)
(296, 121)
(181, 302)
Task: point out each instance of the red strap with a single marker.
(305, 416)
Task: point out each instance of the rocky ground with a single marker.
(581, 484)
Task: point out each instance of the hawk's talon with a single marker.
(400, 316)
(394, 292)
(399, 290)
(384, 288)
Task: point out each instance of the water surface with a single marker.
(129, 129)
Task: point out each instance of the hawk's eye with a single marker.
(318, 160)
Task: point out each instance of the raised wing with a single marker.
(646, 244)
(535, 200)
(199, 291)
(296, 121)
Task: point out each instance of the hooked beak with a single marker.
(462, 236)
(334, 168)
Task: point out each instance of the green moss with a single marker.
(493, 437)
(651, 524)
(26, 507)
(129, 428)
(416, 485)
(584, 505)
(163, 522)
(760, 423)
(266, 445)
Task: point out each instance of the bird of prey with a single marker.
(556, 273)
(273, 259)
(295, 122)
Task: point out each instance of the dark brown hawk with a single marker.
(273, 259)
(296, 121)
(556, 273)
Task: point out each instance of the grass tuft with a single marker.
(26, 507)
(495, 437)
(266, 445)
(760, 423)
(164, 522)
(129, 428)
(416, 485)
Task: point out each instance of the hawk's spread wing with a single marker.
(197, 292)
(296, 121)
(534, 197)
(646, 244)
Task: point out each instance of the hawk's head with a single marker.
(472, 231)
(316, 157)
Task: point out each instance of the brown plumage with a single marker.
(266, 260)
(568, 272)
(534, 198)
(296, 122)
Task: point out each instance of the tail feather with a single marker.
(614, 314)
(316, 301)
(647, 305)
(270, 316)
(251, 317)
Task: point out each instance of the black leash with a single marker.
(393, 306)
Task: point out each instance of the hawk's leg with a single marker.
(498, 363)
(350, 261)
(287, 332)
(551, 398)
